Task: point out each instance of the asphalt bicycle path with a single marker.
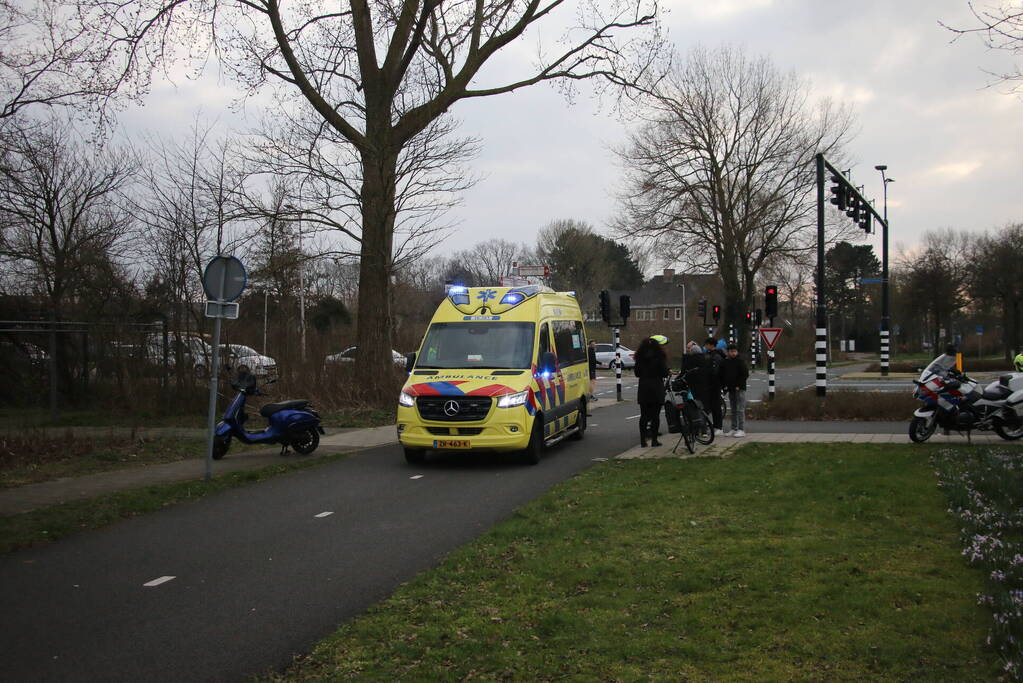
(238, 583)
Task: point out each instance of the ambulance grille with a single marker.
(469, 408)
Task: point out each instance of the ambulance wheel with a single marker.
(580, 422)
(415, 456)
(1009, 433)
(534, 450)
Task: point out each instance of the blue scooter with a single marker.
(290, 423)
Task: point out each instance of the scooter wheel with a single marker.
(306, 442)
(220, 446)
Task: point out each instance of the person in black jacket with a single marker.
(651, 368)
(712, 386)
(734, 374)
(591, 358)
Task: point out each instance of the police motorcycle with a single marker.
(954, 401)
(289, 423)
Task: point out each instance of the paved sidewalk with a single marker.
(32, 496)
(724, 445)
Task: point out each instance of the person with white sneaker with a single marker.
(734, 374)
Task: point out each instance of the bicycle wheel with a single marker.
(705, 429)
(688, 431)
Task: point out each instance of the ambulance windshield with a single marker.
(490, 345)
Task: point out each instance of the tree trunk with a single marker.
(373, 336)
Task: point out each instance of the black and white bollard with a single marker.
(618, 364)
(770, 374)
(884, 353)
(821, 347)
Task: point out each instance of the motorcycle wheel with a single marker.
(306, 442)
(1009, 433)
(220, 446)
(921, 428)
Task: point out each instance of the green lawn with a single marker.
(783, 562)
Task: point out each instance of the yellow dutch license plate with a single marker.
(451, 443)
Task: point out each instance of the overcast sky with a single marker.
(921, 102)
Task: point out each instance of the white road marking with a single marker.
(324, 514)
(632, 417)
(599, 459)
(157, 582)
(417, 476)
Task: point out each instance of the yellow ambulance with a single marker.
(499, 369)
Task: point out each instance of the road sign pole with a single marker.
(214, 371)
(770, 374)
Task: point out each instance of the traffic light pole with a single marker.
(820, 343)
(618, 364)
(885, 313)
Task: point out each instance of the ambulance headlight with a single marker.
(406, 400)
(512, 400)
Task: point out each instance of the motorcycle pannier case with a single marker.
(1015, 403)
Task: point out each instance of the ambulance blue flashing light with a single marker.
(457, 289)
(512, 298)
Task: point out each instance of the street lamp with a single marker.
(301, 280)
(885, 315)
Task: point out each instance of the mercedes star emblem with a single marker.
(451, 408)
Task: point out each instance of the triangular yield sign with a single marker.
(770, 336)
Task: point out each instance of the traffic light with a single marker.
(605, 305)
(749, 317)
(841, 197)
(625, 306)
(865, 221)
(758, 317)
(701, 308)
(771, 301)
(717, 313)
(853, 211)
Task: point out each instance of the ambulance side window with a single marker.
(545, 344)
(568, 340)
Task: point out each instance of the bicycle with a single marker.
(685, 414)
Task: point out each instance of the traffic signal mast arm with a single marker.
(851, 194)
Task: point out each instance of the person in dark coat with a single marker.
(651, 368)
(712, 386)
(734, 374)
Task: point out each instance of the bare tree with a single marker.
(489, 261)
(378, 74)
(937, 279)
(721, 174)
(1002, 28)
(993, 277)
(323, 177)
(60, 216)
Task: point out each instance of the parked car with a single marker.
(352, 352)
(195, 352)
(606, 355)
(238, 354)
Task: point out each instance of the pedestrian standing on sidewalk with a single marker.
(651, 368)
(712, 402)
(734, 373)
(591, 355)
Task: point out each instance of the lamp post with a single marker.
(885, 314)
(301, 281)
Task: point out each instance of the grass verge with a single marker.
(776, 564)
(57, 521)
(803, 404)
(35, 456)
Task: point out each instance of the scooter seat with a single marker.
(271, 408)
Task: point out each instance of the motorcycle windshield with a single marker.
(939, 367)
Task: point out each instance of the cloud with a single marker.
(719, 10)
(953, 171)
